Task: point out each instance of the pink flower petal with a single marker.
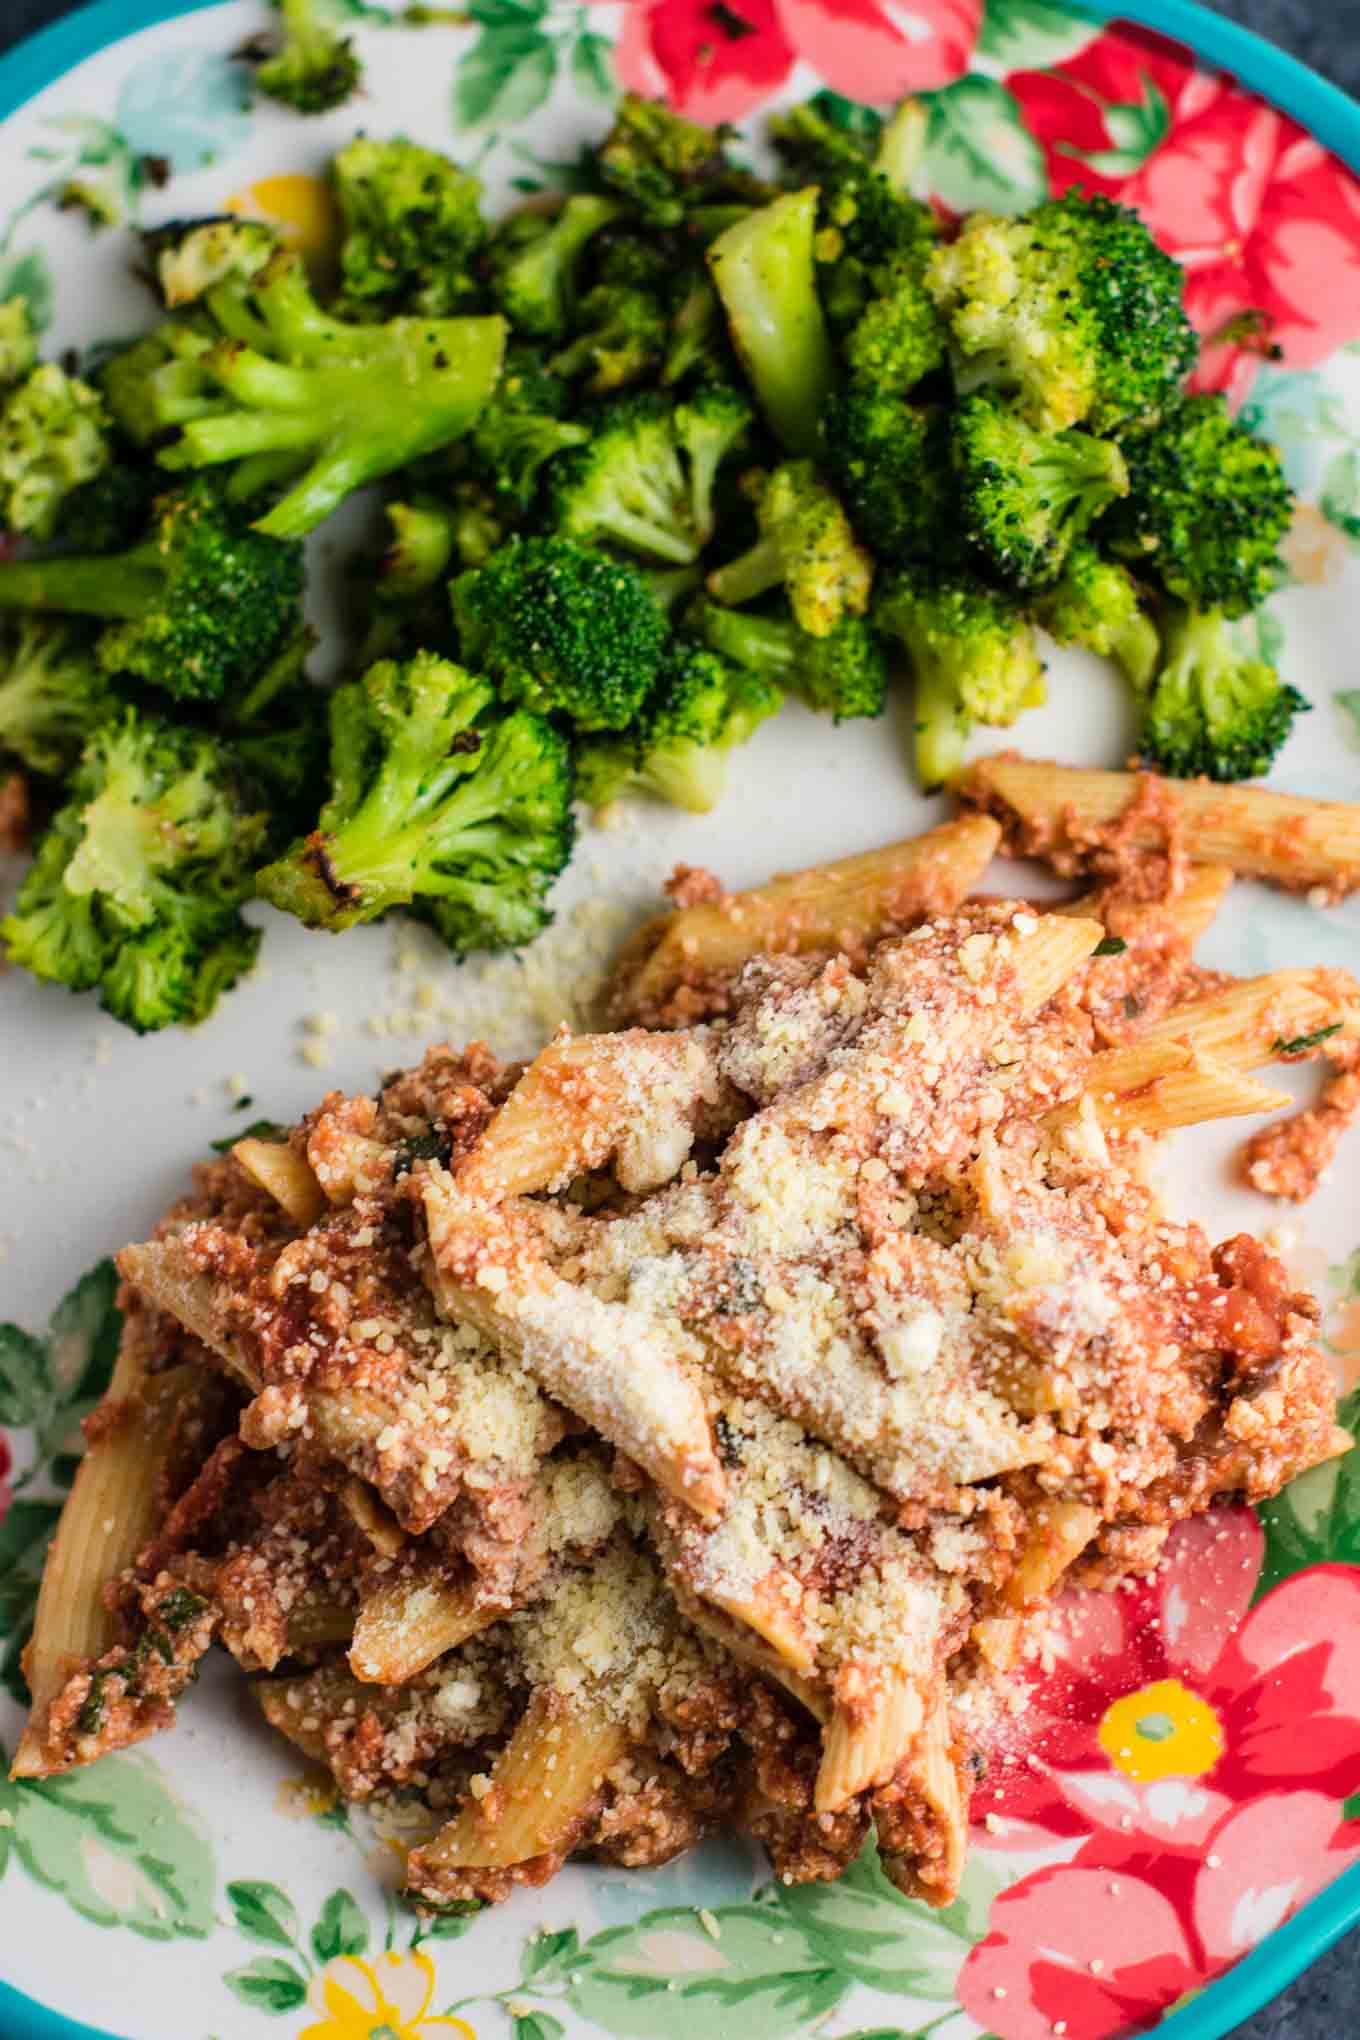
(1172, 1813)
(879, 52)
(1205, 1584)
(1262, 1864)
(1046, 1933)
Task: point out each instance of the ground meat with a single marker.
(1290, 1158)
(689, 885)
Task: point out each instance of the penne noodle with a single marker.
(1045, 958)
(114, 1506)
(847, 906)
(937, 1780)
(285, 1175)
(543, 1785)
(372, 1516)
(1241, 1029)
(1056, 1534)
(1187, 1089)
(1185, 915)
(1297, 842)
(877, 1717)
(406, 1622)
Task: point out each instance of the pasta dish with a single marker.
(688, 1430)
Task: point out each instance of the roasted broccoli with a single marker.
(1026, 495)
(842, 675)
(659, 162)
(53, 436)
(520, 429)
(805, 545)
(1212, 709)
(1207, 507)
(159, 382)
(190, 258)
(1095, 602)
(438, 800)
(413, 229)
(53, 691)
(18, 342)
(891, 463)
(562, 629)
(645, 479)
(99, 516)
(535, 262)
(137, 883)
(277, 733)
(620, 335)
(334, 404)
(766, 277)
(1073, 310)
(703, 706)
(317, 67)
(197, 608)
(972, 656)
(697, 342)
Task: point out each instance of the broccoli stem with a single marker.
(125, 587)
(764, 269)
(751, 574)
(941, 727)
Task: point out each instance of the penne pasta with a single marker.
(1248, 1025)
(1298, 842)
(846, 906)
(287, 1177)
(1184, 915)
(1187, 1089)
(407, 1621)
(876, 1720)
(1056, 1534)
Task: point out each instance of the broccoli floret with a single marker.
(703, 707)
(159, 383)
(317, 68)
(891, 463)
(1207, 506)
(620, 336)
(646, 478)
(413, 229)
(898, 339)
(521, 428)
(420, 548)
(197, 608)
(1074, 309)
(137, 884)
(765, 275)
(277, 733)
(697, 343)
(973, 658)
(805, 544)
(18, 341)
(98, 516)
(341, 404)
(564, 630)
(535, 261)
(1212, 709)
(53, 436)
(661, 163)
(1026, 495)
(189, 258)
(53, 691)
(1096, 603)
(437, 800)
(874, 239)
(844, 674)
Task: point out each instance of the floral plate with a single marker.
(1188, 1833)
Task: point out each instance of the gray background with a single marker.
(1324, 2004)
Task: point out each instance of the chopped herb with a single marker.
(1110, 945)
(729, 1441)
(422, 1147)
(1301, 1043)
(243, 1104)
(259, 1129)
(180, 1608)
(92, 1709)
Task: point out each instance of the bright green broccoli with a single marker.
(535, 262)
(805, 544)
(197, 608)
(843, 675)
(1073, 310)
(438, 800)
(53, 692)
(189, 258)
(697, 343)
(18, 341)
(972, 655)
(1027, 496)
(765, 274)
(1096, 603)
(98, 516)
(702, 708)
(660, 163)
(891, 462)
(1212, 709)
(619, 337)
(336, 403)
(54, 435)
(897, 340)
(645, 479)
(158, 383)
(563, 630)
(1207, 507)
(277, 733)
(136, 885)
(521, 428)
(317, 67)
(413, 229)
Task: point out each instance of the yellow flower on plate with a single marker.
(299, 208)
(386, 1999)
(1161, 1731)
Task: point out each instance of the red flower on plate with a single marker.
(1261, 216)
(1200, 1753)
(5, 1464)
(718, 60)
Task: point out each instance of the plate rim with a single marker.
(1332, 117)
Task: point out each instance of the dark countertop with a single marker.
(1326, 34)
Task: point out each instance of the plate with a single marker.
(202, 1889)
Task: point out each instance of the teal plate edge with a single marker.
(1333, 118)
